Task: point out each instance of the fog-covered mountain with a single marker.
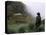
(19, 19)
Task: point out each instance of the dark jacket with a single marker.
(38, 20)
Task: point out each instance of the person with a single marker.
(38, 20)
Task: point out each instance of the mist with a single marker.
(34, 6)
(21, 16)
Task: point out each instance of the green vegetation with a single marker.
(20, 23)
(13, 27)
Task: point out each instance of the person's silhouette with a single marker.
(38, 20)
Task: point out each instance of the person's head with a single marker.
(38, 14)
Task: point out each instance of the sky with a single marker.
(34, 6)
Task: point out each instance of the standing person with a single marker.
(38, 20)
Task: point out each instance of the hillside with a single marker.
(18, 20)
